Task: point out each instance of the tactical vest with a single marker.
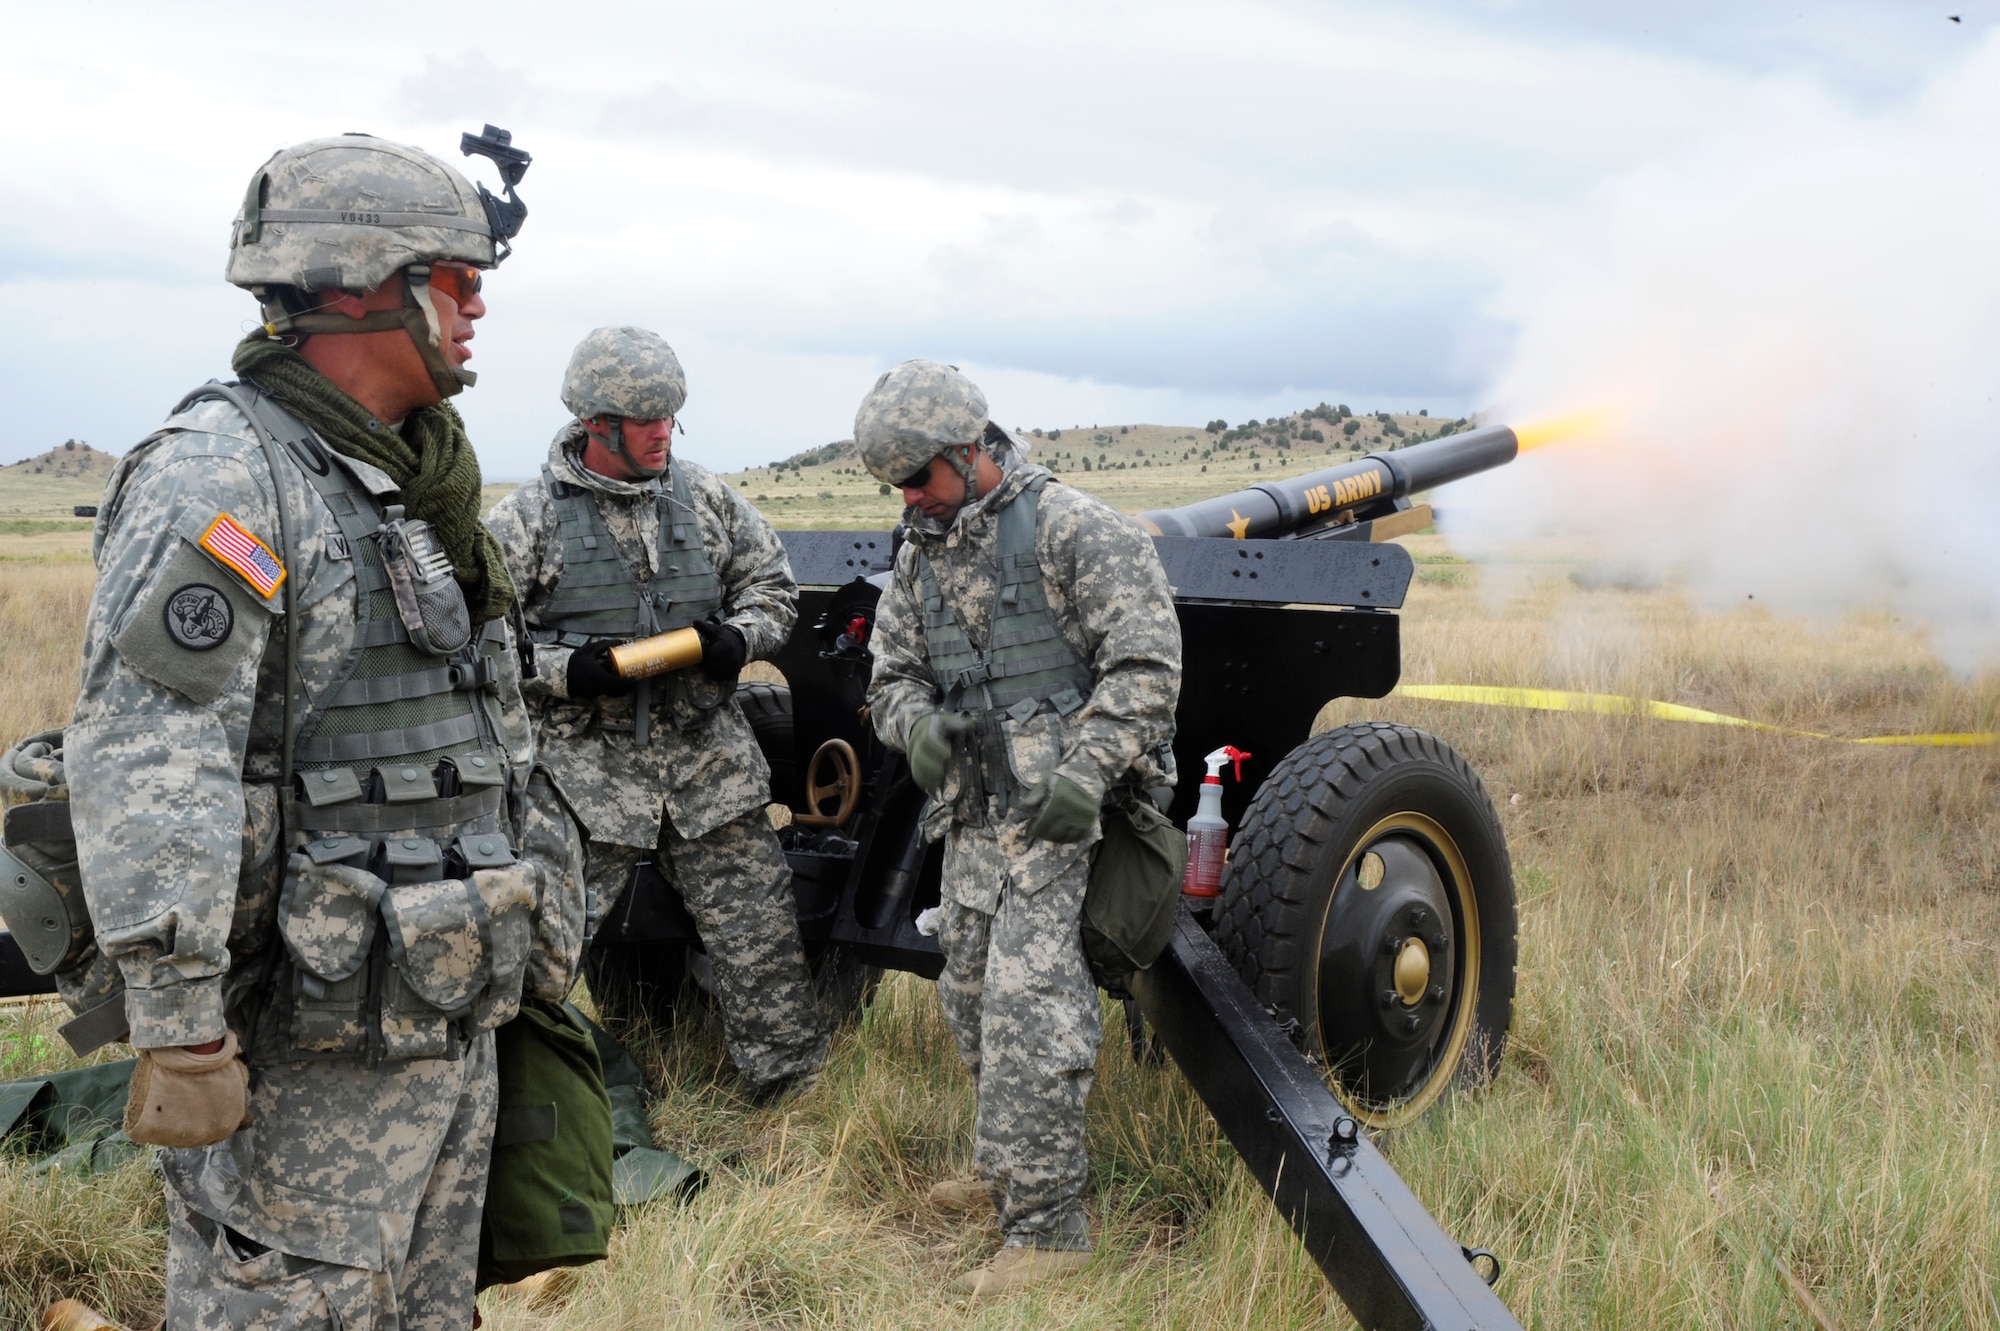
(1027, 664)
(599, 595)
(405, 914)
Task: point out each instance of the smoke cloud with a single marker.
(1795, 329)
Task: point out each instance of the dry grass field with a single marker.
(1754, 1079)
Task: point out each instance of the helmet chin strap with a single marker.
(451, 380)
(417, 317)
(614, 443)
(961, 458)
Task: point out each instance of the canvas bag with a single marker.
(1134, 891)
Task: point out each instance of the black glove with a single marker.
(723, 650)
(591, 674)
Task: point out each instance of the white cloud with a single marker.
(1197, 208)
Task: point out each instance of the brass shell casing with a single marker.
(69, 1315)
(657, 655)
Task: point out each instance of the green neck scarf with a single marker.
(430, 460)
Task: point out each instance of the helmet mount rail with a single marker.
(503, 216)
(352, 212)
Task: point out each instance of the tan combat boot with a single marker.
(1017, 1268)
(970, 1193)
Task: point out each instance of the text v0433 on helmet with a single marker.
(348, 213)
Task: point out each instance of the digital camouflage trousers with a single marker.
(351, 1202)
(738, 888)
(1019, 999)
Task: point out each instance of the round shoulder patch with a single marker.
(199, 617)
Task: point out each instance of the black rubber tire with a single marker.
(844, 983)
(1299, 840)
(633, 982)
(768, 709)
(656, 982)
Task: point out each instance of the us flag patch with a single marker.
(229, 542)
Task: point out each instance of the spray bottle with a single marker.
(1208, 830)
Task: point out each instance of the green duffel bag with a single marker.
(549, 1191)
(1134, 892)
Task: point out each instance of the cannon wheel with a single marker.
(768, 709)
(1369, 902)
(652, 981)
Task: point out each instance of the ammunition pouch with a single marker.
(401, 949)
(429, 600)
(326, 914)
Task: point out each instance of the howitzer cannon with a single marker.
(1360, 959)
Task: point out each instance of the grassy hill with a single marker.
(52, 484)
(1132, 467)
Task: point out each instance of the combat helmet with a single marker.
(348, 213)
(914, 413)
(624, 373)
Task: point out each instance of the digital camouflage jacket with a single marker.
(702, 763)
(173, 753)
(1112, 604)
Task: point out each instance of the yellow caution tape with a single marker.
(1611, 704)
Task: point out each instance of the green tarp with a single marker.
(70, 1121)
(639, 1172)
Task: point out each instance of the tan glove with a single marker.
(181, 1098)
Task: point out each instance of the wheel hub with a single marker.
(1386, 983)
(1413, 972)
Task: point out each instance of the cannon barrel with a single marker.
(1328, 502)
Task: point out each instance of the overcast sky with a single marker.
(1106, 212)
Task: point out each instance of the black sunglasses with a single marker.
(917, 479)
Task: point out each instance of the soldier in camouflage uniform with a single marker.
(1028, 660)
(311, 833)
(615, 540)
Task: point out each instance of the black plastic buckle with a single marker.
(475, 675)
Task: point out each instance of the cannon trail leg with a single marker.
(1386, 1257)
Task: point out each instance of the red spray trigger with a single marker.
(1237, 756)
(1228, 753)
